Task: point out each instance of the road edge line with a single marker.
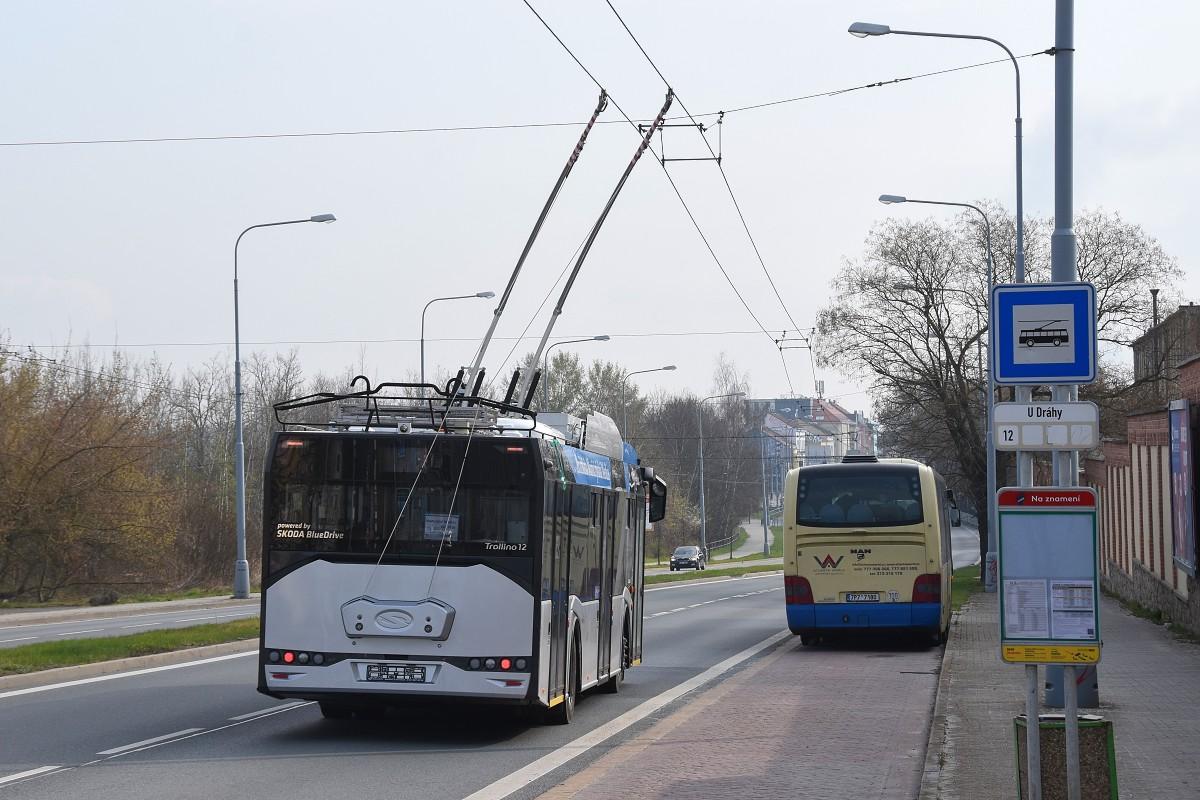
(63, 677)
(526, 775)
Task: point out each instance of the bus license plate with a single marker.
(862, 597)
(396, 673)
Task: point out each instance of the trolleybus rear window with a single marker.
(856, 497)
(353, 494)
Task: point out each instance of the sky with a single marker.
(133, 243)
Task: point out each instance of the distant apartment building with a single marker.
(798, 431)
(1162, 349)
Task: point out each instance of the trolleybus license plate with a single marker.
(862, 597)
(396, 673)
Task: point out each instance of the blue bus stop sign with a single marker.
(1043, 333)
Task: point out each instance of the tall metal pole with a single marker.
(624, 409)
(241, 566)
(766, 506)
(546, 365)
(703, 515)
(1063, 267)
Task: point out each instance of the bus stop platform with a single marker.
(840, 721)
(1149, 686)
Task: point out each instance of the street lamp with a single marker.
(989, 559)
(484, 295)
(546, 363)
(241, 567)
(865, 29)
(624, 410)
(700, 421)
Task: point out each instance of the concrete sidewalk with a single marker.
(15, 617)
(1149, 686)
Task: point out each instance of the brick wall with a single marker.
(1132, 478)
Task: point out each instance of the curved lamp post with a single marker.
(241, 567)
(624, 410)
(989, 561)
(865, 29)
(546, 362)
(435, 300)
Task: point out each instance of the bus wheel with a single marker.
(335, 710)
(809, 639)
(564, 712)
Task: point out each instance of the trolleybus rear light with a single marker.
(797, 590)
(927, 589)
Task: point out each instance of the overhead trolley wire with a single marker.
(481, 127)
(671, 180)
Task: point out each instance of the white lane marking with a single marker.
(76, 633)
(29, 773)
(192, 619)
(203, 732)
(176, 735)
(694, 584)
(18, 639)
(531, 772)
(261, 711)
(109, 619)
(716, 600)
(130, 674)
(140, 625)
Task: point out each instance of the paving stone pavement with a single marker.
(839, 721)
(1149, 686)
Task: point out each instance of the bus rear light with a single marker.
(474, 663)
(293, 443)
(797, 590)
(289, 657)
(505, 663)
(514, 449)
(273, 656)
(514, 683)
(520, 663)
(927, 589)
(490, 663)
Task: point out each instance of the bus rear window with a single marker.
(856, 497)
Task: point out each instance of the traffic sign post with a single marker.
(1070, 425)
(1049, 576)
(1043, 333)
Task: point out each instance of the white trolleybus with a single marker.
(446, 551)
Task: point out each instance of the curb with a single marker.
(61, 674)
(932, 771)
(16, 619)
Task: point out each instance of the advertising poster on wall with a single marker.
(1183, 486)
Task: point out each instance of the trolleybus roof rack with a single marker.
(448, 406)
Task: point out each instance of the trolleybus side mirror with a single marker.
(658, 499)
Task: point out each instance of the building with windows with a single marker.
(1159, 352)
(798, 431)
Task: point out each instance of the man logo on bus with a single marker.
(828, 562)
(860, 552)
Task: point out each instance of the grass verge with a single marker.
(966, 583)
(691, 575)
(71, 652)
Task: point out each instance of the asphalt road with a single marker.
(202, 731)
(16, 635)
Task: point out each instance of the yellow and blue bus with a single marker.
(867, 548)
